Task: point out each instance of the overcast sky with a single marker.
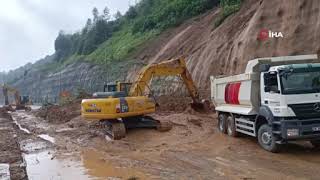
(28, 28)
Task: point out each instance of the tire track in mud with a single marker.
(12, 165)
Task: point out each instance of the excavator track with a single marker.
(161, 126)
(164, 126)
(116, 130)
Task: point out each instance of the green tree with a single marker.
(95, 14)
(88, 23)
(118, 15)
(106, 14)
(62, 45)
(132, 12)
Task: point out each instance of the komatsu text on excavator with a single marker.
(125, 105)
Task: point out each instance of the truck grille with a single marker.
(309, 110)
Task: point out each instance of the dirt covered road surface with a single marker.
(193, 149)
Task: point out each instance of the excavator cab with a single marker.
(114, 90)
(111, 87)
(25, 100)
(118, 87)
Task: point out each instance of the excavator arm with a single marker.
(175, 67)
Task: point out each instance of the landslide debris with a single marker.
(60, 113)
(170, 104)
(226, 49)
(4, 113)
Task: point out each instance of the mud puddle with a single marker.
(44, 161)
(44, 165)
(87, 165)
(98, 167)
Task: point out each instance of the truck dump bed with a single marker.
(240, 93)
(236, 94)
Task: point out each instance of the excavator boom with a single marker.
(174, 67)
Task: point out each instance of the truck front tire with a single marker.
(266, 139)
(222, 123)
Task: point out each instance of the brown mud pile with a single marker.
(172, 104)
(183, 103)
(60, 113)
(4, 113)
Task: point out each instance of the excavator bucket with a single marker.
(203, 106)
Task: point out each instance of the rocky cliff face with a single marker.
(46, 87)
(209, 50)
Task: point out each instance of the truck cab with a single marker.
(277, 100)
(292, 94)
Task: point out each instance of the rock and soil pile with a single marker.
(58, 113)
(4, 113)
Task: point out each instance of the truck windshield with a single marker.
(300, 82)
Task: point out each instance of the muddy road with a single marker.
(193, 149)
(11, 161)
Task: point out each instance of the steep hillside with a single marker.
(227, 48)
(102, 51)
(210, 47)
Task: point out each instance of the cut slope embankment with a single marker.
(227, 48)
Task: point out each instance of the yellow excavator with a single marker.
(20, 102)
(125, 105)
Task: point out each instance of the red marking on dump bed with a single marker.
(231, 95)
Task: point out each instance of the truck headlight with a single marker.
(292, 132)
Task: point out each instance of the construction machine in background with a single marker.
(21, 102)
(125, 105)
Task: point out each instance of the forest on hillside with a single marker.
(106, 37)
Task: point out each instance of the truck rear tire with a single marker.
(231, 127)
(315, 143)
(222, 123)
(267, 140)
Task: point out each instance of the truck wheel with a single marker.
(231, 127)
(222, 125)
(315, 143)
(266, 139)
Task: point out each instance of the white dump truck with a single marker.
(276, 100)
